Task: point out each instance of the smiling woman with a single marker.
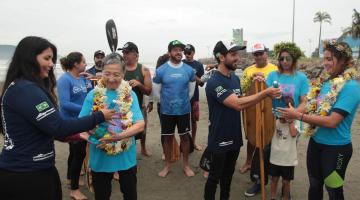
(31, 121)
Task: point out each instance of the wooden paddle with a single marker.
(111, 34)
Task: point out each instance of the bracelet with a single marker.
(302, 115)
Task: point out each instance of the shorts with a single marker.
(286, 172)
(169, 122)
(195, 111)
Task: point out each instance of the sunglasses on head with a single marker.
(287, 58)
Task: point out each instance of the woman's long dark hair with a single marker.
(24, 65)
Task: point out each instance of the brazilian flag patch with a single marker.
(42, 106)
(334, 180)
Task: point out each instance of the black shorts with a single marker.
(169, 122)
(286, 172)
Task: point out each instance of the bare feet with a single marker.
(77, 195)
(245, 168)
(116, 176)
(206, 174)
(163, 173)
(188, 172)
(146, 153)
(198, 147)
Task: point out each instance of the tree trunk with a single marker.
(319, 40)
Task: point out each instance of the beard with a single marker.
(230, 66)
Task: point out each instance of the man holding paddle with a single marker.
(139, 79)
(223, 94)
(256, 72)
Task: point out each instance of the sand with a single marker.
(178, 187)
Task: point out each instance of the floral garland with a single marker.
(123, 102)
(322, 107)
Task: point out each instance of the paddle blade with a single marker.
(111, 34)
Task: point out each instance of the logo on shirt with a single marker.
(45, 114)
(42, 106)
(45, 156)
(220, 91)
(176, 75)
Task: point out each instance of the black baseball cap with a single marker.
(189, 48)
(130, 46)
(99, 52)
(175, 43)
(223, 48)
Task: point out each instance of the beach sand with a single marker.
(178, 187)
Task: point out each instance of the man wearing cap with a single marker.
(198, 68)
(97, 68)
(139, 78)
(174, 83)
(225, 102)
(256, 72)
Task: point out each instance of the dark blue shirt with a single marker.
(93, 70)
(30, 124)
(199, 71)
(224, 122)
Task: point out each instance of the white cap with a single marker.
(258, 47)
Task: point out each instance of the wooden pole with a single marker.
(260, 140)
(261, 149)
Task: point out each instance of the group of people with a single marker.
(103, 107)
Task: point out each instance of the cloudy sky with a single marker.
(79, 25)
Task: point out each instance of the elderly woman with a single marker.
(31, 121)
(332, 104)
(113, 147)
(293, 85)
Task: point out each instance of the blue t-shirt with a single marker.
(101, 162)
(294, 86)
(199, 72)
(348, 100)
(224, 122)
(72, 93)
(174, 95)
(30, 123)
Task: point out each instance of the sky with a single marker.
(79, 25)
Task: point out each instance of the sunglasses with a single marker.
(287, 58)
(258, 54)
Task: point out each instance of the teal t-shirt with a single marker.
(294, 86)
(348, 100)
(99, 161)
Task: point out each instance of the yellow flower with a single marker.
(325, 106)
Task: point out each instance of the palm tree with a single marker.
(321, 17)
(354, 29)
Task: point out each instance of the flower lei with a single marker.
(123, 102)
(322, 107)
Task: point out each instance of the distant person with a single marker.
(225, 103)
(95, 71)
(72, 89)
(336, 96)
(31, 121)
(139, 78)
(174, 83)
(189, 53)
(117, 149)
(256, 72)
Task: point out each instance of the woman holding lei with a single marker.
(333, 100)
(112, 145)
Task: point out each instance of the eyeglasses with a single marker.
(108, 74)
(287, 58)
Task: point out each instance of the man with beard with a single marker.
(97, 68)
(225, 102)
(256, 72)
(198, 68)
(174, 83)
(139, 79)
